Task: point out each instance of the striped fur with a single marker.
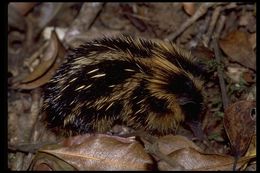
(144, 84)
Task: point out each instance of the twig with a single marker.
(86, 18)
(35, 110)
(136, 16)
(22, 149)
(100, 8)
(28, 147)
(33, 133)
(217, 53)
(199, 13)
(214, 19)
(212, 25)
(235, 163)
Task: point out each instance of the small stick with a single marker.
(136, 16)
(87, 16)
(28, 147)
(214, 18)
(235, 163)
(98, 12)
(212, 25)
(35, 113)
(33, 133)
(217, 53)
(199, 13)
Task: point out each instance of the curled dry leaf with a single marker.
(194, 160)
(46, 162)
(238, 48)
(240, 125)
(100, 152)
(189, 8)
(47, 60)
(51, 60)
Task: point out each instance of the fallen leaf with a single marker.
(168, 144)
(252, 40)
(45, 70)
(189, 8)
(23, 7)
(249, 77)
(203, 52)
(240, 125)
(238, 48)
(180, 153)
(251, 150)
(46, 162)
(194, 160)
(101, 152)
(47, 60)
(252, 147)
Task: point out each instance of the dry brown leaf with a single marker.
(251, 150)
(249, 77)
(162, 147)
(238, 48)
(252, 147)
(40, 81)
(240, 125)
(46, 162)
(203, 52)
(47, 60)
(168, 144)
(252, 40)
(187, 155)
(102, 152)
(46, 69)
(23, 7)
(189, 8)
(191, 159)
